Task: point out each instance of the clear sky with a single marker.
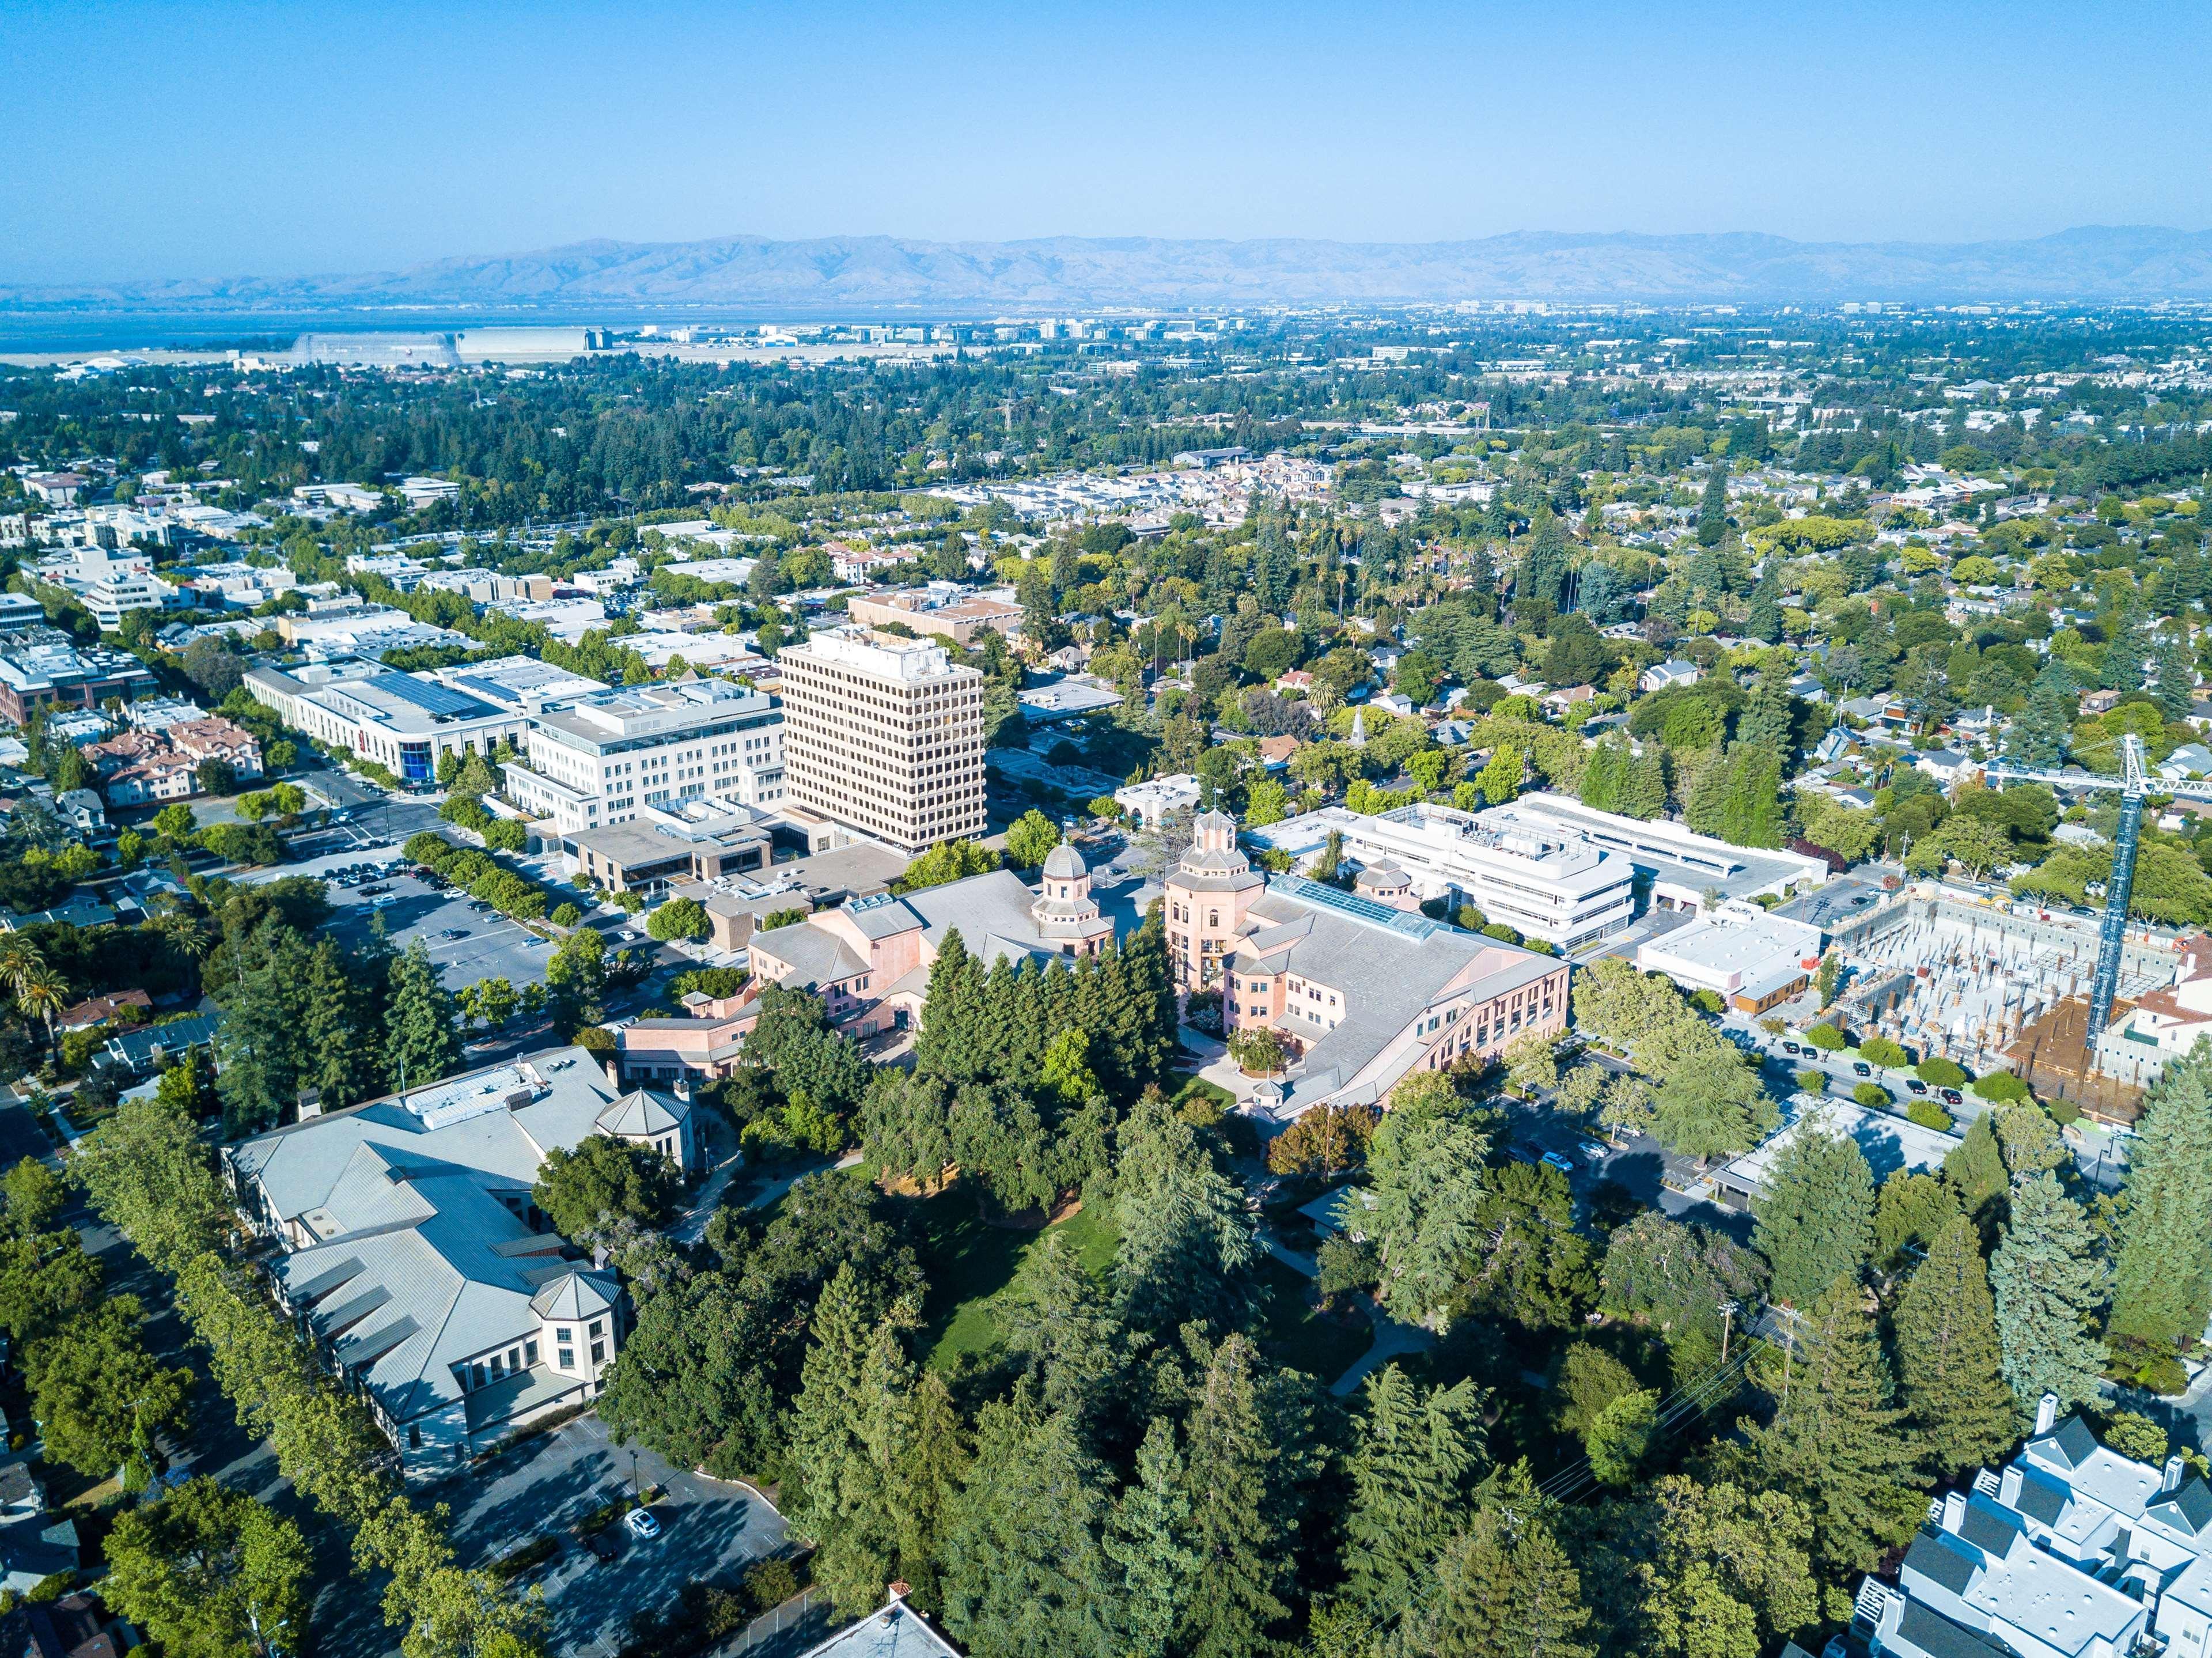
(218, 138)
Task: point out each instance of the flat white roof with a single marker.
(1889, 1142)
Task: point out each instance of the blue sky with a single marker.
(142, 140)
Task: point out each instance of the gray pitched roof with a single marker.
(1392, 964)
(815, 955)
(1939, 1562)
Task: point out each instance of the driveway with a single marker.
(710, 1530)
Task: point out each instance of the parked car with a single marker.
(1792, 1048)
(1565, 1164)
(454, 933)
(1593, 1151)
(643, 1524)
(1952, 1096)
(1916, 1085)
(1862, 1067)
(373, 888)
(602, 1546)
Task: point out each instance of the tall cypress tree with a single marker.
(2049, 1283)
(421, 1041)
(1186, 1233)
(1243, 1520)
(1149, 1539)
(1815, 1221)
(2162, 1289)
(926, 1480)
(1644, 794)
(951, 1042)
(1949, 1364)
(2039, 735)
(1840, 1442)
(1765, 619)
(1023, 1569)
(1409, 1474)
(1712, 507)
(1976, 1169)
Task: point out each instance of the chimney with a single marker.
(682, 1089)
(2047, 1414)
(614, 1070)
(900, 1588)
(2174, 1465)
(311, 1103)
(1955, 1510)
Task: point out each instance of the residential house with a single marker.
(1672, 671)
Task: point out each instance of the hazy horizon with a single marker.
(154, 141)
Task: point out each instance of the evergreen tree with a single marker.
(2162, 1286)
(421, 1040)
(1544, 566)
(2176, 690)
(1062, 1321)
(926, 1483)
(1506, 1589)
(1243, 1516)
(1644, 794)
(952, 1041)
(1712, 507)
(1950, 1366)
(2049, 1283)
(1838, 1442)
(1815, 1222)
(1022, 1569)
(2127, 648)
(1768, 718)
(2041, 731)
(1149, 1541)
(1739, 799)
(1409, 1483)
(1185, 1234)
(1765, 619)
(1606, 777)
(837, 1490)
(1975, 1167)
(1426, 1166)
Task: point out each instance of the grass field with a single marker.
(970, 1263)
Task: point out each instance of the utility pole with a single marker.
(1727, 1313)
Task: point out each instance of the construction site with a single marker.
(1993, 985)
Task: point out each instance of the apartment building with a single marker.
(2070, 1551)
(603, 758)
(141, 766)
(1361, 993)
(885, 734)
(414, 1257)
(41, 667)
(403, 722)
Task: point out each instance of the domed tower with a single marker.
(1065, 912)
(1208, 896)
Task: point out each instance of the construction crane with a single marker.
(2133, 784)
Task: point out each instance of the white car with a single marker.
(641, 1524)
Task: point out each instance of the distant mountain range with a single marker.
(2090, 265)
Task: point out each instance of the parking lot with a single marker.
(710, 1530)
(489, 946)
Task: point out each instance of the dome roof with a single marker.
(1065, 863)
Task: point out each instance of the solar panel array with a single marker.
(440, 702)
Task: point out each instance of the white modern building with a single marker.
(599, 759)
(885, 734)
(1890, 1142)
(403, 722)
(1540, 880)
(1750, 959)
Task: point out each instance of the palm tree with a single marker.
(182, 933)
(19, 957)
(41, 994)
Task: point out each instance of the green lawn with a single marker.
(1296, 1335)
(968, 1263)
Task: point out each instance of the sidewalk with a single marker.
(1391, 1338)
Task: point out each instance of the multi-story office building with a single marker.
(885, 734)
(403, 722)
(603, 758)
